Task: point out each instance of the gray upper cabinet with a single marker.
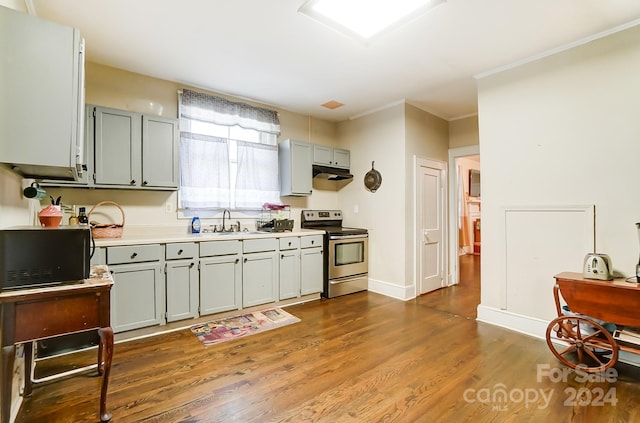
(42, 96)
(322, 155)
(86, 157)
(135, 150)
(294, 161)
(159, 152)
(334, 157)
(341, 158)
(118, 146)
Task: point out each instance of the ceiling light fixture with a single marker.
(364, 19)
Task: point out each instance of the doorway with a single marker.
(464, 215)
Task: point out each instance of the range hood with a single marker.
(331, 173)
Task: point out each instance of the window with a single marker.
(228, 154)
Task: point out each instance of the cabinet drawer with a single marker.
(257, 245)
(289, 243)
(134, 254)
(181, 250)
(220, 248)
(311, 241)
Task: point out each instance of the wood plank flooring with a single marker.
(362, 357)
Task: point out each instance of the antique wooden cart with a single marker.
(603, 318)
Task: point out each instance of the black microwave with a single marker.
(34, 256)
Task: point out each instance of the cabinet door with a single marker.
(259, 278)
(311, 270)
(341, 158)
(117, 147)
(86, 158)
(294, 161)
(220, 284)
(182, 290)
(322, 155)
(41, 74)
(289, 274)
(159, 152)
(137, 296)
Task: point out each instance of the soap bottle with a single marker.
(73, 219)
(195, 225)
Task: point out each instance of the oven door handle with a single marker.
(348, 236)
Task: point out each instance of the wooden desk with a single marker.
(32, 314)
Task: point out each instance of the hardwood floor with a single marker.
(362, 357)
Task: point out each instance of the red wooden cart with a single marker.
(582, 338)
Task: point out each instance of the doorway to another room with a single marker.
(465, 219)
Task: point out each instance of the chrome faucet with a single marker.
(226, 212)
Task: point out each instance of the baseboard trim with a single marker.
(527, 325)
(403, 293)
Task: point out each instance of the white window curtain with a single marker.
(228, 153)
(256, 177)
(204, 172)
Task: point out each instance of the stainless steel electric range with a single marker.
(346, 263)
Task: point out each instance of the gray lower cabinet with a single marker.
(259, 271)
(158, 283)
(137, 296)
(220, 276)
(182, 288)
(311, 264)
(289, 268)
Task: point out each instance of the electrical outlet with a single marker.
(168, 207)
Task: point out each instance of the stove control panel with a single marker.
(320, 215)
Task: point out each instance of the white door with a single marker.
(430, 213)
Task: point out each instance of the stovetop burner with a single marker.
(329, 221)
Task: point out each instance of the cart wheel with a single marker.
(581, 343)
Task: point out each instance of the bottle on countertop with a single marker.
(195, 225)
(73, 219)
(83, 219)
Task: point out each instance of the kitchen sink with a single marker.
(216, 234)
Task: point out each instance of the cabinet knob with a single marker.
(289, 243)
(245, 260)
(191, 264)
(144, 182)
(134, 255)
(238, 260)
(312, 242)
(281, 256)
(133, 182)
(180, 251)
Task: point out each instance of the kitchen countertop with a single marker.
(162, 235)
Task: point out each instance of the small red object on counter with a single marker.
(50, 217)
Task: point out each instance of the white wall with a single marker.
(561, 131)
(463, 132)
(390, 137)
(378, 137)
(15, 210)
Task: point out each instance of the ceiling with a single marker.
(264, 50)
